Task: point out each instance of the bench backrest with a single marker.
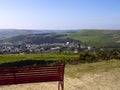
(31, 74)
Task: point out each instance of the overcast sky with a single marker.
(60, 14)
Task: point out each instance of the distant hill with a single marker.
(7, 33)
(38, 39)
(99, 38)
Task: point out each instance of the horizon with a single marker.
(60, 15)
(55, 29)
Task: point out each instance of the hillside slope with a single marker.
(38, 39)
(98, 38)
(7, 33)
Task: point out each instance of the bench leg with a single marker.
(61, 85)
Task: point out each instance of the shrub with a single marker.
(87, 57)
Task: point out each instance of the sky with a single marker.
(59, 14)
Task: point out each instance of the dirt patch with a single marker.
(103, 81)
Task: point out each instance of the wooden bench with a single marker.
(32, 74)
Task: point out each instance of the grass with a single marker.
(49, 56)
(92, 68)
(97, 37)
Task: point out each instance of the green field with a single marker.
(97, 37)
(49, 56)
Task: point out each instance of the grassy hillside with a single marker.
(98, 37)
(38, 39)
(6, 33)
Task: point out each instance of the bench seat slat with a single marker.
(40, 71)
(36, 74)
(7, 81)
(37, 79)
